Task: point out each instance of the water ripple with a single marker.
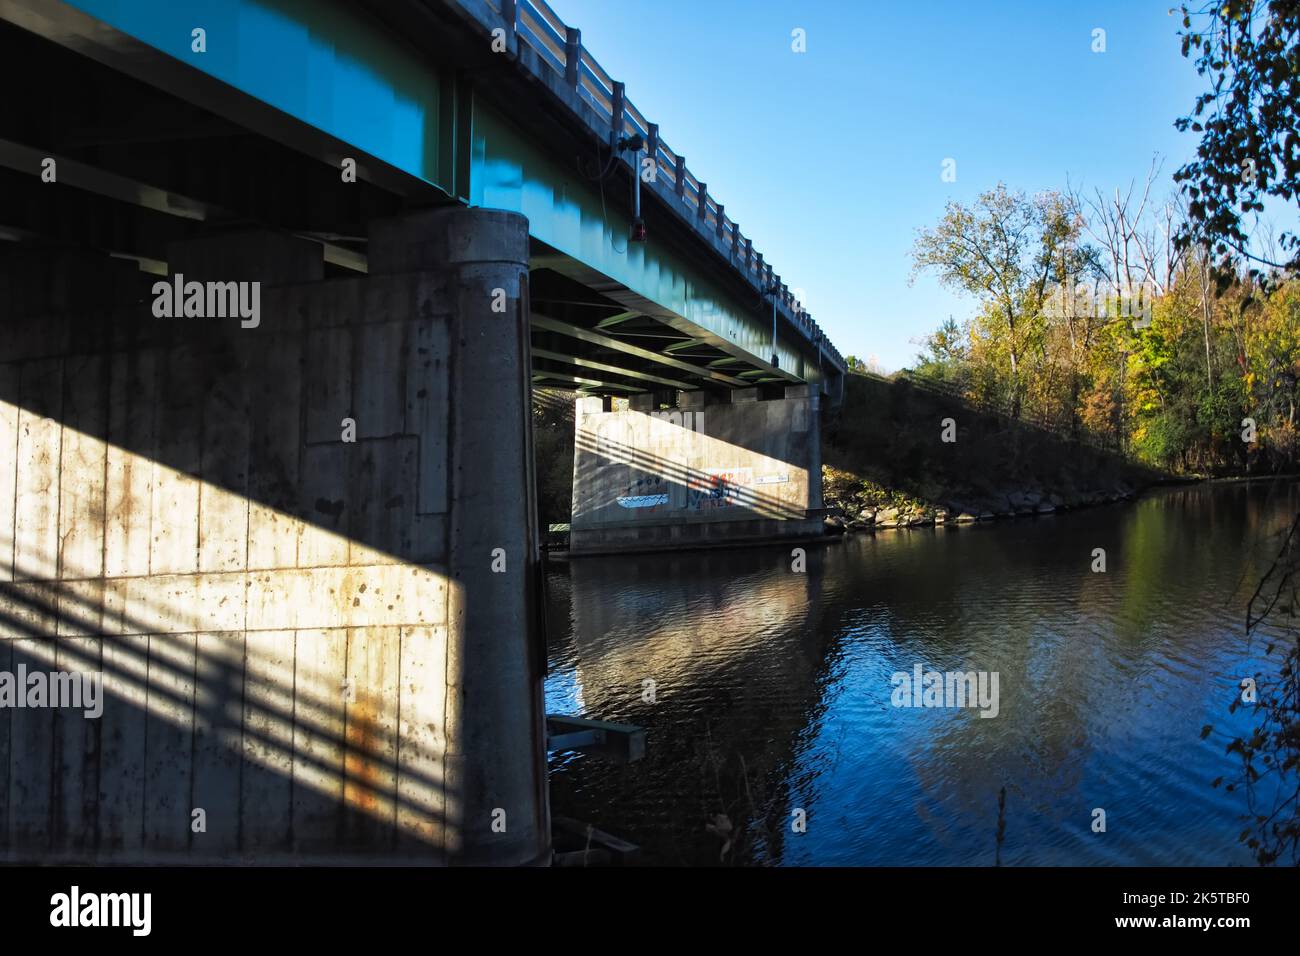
(767, 693)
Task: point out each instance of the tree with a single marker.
(945, 355)
(1136, 240)
(1270, 752)
(1005, 250)
(1249, 121)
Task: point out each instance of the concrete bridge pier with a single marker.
(495, 760)
(300, 550)
(705, 473)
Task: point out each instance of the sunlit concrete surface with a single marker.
(696, 475)
(288, 623)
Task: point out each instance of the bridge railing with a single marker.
(595, 83)
(634, 124)
(545, 32)
(560, 47)
(667, 163)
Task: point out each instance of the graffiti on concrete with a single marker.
(648, 492)
(718, 488)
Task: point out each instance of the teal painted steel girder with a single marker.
(565, 212)
(321, 62)
(331, 67)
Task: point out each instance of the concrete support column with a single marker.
(301, 551)
(810, 421)
(495, 765)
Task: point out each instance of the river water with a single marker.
(767, 694)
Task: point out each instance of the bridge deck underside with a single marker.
(141, 167)
(587, 341)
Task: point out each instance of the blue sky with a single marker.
(831, 159)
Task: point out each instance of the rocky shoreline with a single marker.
(871, 509)
(885, 463)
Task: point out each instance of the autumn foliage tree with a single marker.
(1249, 121)
(1006, 250)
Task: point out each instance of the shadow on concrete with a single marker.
(702, 491)
(286, 762)
(314, 747)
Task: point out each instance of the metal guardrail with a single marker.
(560, 47)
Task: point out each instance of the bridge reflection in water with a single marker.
(629, 634)
(772, 689)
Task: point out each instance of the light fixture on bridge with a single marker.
(636, 144)
(774, 290)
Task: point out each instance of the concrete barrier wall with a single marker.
(696, 475)
(280, 609)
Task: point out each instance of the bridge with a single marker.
(278, 278)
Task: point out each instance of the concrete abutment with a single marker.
(697, 475)
(326, 645)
